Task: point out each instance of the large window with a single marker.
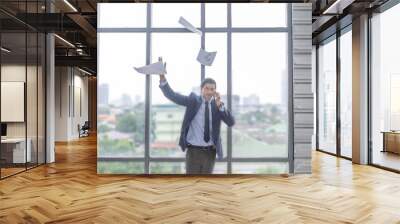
(385, 87)
(166, 116)
(261, 128)
(251, 71)
(121, 109)
(262, 15)
(334, 106)
(346, 75)
(129, 15)
(218, 71)
(22, 101)
(327, 96)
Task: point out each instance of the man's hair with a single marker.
(208, 81)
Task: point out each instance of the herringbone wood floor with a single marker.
(70, 191)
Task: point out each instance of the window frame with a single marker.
(228, 30)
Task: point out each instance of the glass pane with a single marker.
(216, 15)
(167, 14)
(120, 167)
(41, 99)
(121, 100)
(180, 168)
(121, 15)
(220, 168)
(218, 71)
(14, 154)
(261, 112)
(327, 97)
(346, 94)
(31, 101)
(386, 89)
(262, 15)
(184, 77)
(167, 168)
(259, 168)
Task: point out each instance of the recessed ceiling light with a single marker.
(70, 5)
(5, 50)
(338, 6)
(64, 40)
(84, 71)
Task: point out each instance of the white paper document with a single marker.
(189, 26)
(152, 69)
(206, 58)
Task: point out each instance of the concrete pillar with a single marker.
(50, 91)
(360, 90)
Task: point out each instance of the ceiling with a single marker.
(332, 15)
(76, 22)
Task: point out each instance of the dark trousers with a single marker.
(200, 161)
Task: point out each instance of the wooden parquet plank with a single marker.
(70, 191)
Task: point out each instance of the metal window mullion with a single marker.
(37, 93)
(69, 91)
(0, 88)
(147, 94)
(290, 90)
(369, 81)
(338, 98)
(203, 37)
(229, 84)
(183, 159)
(26, 89)
(45, 89)
(73, 91)
(208, 30)
(316, 97)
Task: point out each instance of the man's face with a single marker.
(208, 91)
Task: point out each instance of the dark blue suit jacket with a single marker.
(192, 104)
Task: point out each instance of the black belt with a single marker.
(201, 147)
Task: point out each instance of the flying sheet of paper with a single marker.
(152, 69)
(206, 58)
(189, 26)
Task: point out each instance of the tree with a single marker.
(275, 114)
(103, 128)
(255, 117)
(126, 123)
(133, 121)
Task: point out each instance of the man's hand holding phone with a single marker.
(218, 101)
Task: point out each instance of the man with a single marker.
(200, 131)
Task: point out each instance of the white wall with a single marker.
(71, 94)
(33, 125)
(17, 73)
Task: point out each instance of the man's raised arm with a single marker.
(171, 94)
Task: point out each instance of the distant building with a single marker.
(107, 119)
(138, 99)
(125, 101)
(104, 92)
(235, 99)
(252, 100)
(168, 120)
(116, 135)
